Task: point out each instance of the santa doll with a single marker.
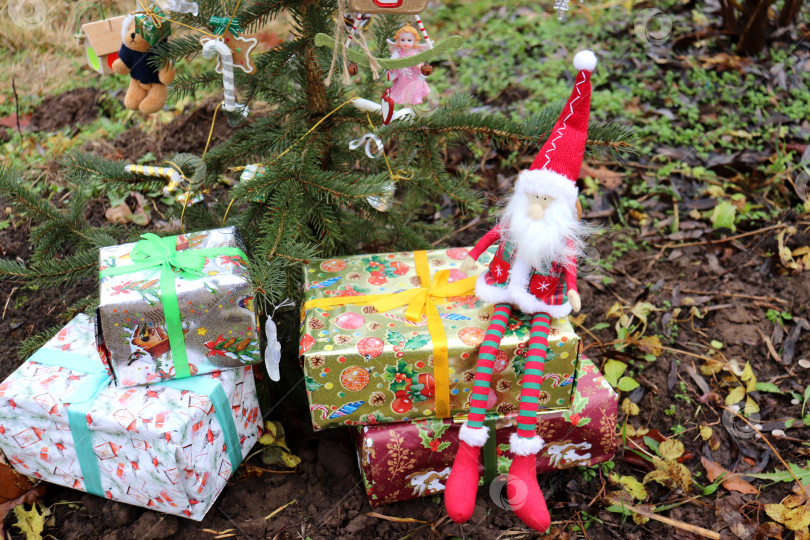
(534, 270)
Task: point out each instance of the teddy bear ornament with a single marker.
(140, 34)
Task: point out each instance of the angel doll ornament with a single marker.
(534, 270)
(405, 86)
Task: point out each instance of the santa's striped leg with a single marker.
(462, 485)
(486, 364)
(522, 490)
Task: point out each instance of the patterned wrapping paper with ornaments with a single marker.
(177, 306)
(413, 459)
(168, 446)
(394, 337)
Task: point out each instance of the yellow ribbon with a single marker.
(421, 301)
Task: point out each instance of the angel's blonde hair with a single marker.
(410, 29)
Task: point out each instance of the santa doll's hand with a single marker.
(576, 302)
(468, 264)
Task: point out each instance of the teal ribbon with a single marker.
(490, 452)
(222, 410)
(153, 251)
(221, 23)
(80, 401)
(82, 398)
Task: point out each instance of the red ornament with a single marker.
(377, 278)
(501, 361)
(305, 344)
(430, 384)
(370, 347)
(401, 405)
(457, 254)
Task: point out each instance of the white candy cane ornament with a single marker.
(217, 47)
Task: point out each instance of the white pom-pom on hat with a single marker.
(585, 61)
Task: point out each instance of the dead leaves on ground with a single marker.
(730, 481)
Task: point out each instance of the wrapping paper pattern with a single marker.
(157, 447)
(413, 459)
(365, 367)
(217, 313)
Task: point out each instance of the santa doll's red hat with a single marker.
(555, 170)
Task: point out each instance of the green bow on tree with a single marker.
(152, 25)
(220, 24)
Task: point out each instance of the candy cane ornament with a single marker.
(424, 32)
(174, 177)
(217, 47)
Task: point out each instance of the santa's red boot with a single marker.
(522, 491)
(462, 485)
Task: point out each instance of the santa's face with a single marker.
(538, 204)
(543, 229)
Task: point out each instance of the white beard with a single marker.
(558, 237)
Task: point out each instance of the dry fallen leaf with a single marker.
(731, 482)
(671, 449)
(706, 433)
(607, 178)
(793, 518)
(629, 408)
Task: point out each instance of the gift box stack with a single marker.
(152, 402)
(389, 345)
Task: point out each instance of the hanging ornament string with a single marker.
(340, 47)
(367, 141)
(157, 18)
(293, 145)
(187, 197)
(400, 174)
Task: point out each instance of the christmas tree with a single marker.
(313, 196)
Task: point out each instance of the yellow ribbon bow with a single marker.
(421, 301)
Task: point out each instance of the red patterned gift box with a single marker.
(413, 459)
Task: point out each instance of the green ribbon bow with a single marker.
(153, 251)
(219, 25)
(152, 26)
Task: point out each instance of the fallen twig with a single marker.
(706, 533)
(775, 452)
(727, 239)
(768, 343)
(731, 295)
(279, 509)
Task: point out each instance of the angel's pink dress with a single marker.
(409, 86)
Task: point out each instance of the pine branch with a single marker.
(32, 344)
(52, 272)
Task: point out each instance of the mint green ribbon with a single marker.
(154, 251)
(80, 401)
(221, 23)
(82, 398)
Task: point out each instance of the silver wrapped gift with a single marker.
(177, 306)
